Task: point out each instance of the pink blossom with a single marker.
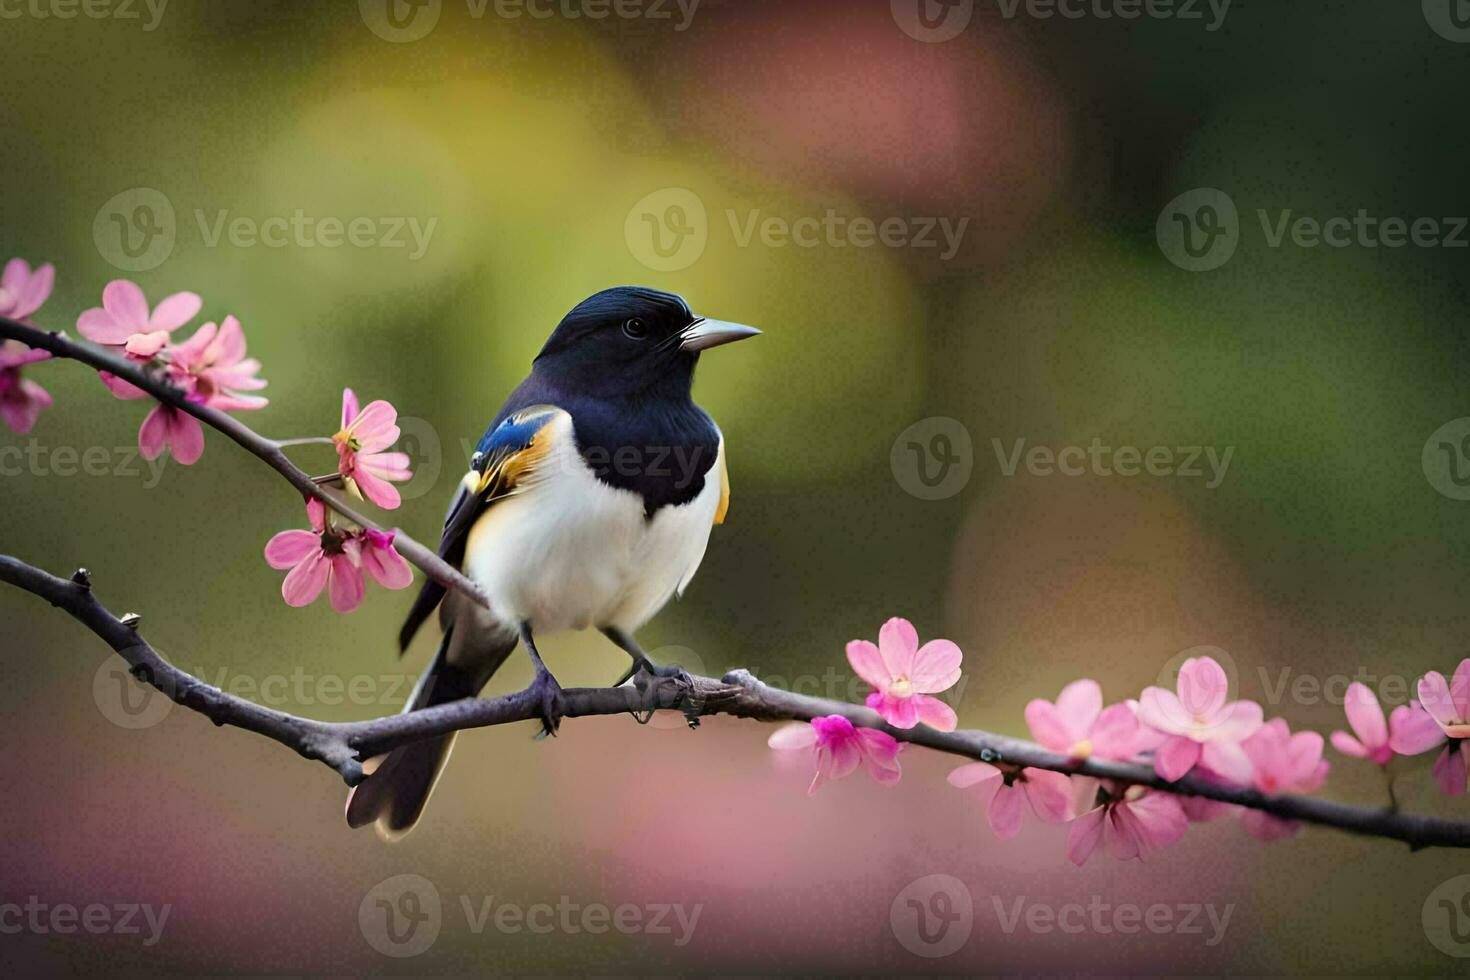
(21, 399)
(317, 559)
(904, 675)
(1282, 762)
(1448, 703)
(1004, 795)
(1132, 821)
(1080, 726)
(1197, 720)
(382, 561)
(367, 470)
(840, 746)
(213, 368)
(1365, 716)
(167, 427)
(1413, 730)
(124, 321)
(22, 291)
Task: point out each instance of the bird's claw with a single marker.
(546, 694)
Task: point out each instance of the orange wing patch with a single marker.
(724, 487)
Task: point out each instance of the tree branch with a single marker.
(343, 745)
(268, 451)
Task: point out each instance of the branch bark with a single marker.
(344, 745)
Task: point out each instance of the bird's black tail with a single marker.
(394, 794)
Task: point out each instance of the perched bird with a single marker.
(589, 504)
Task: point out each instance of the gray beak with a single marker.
(704, 333)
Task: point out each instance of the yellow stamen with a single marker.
(901, 688)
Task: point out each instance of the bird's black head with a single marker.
(631, 340)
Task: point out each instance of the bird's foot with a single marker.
(645, 672)
(546, 694)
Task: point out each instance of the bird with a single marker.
(589, 503)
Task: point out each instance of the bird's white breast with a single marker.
(567, 551)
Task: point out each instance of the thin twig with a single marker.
(342, 746)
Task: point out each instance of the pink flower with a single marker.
(840, 746)
(365, 468)
(904, 674)
(1079, 726)
(1282, 762)
(1413, 730)
(1365, 715)
(213, 368)
(22, 291)
(382, 561)
(1448, 703)
(1132, 821)
(21, 399)
(1004, 795)
(124, 320)
(166, 427)
(317, 559)
(1197, 719)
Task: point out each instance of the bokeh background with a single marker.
(539, 153)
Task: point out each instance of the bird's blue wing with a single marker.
(506, 453)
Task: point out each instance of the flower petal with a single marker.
(288, 548)
(1449, 771)
(173, 311)
(99, 326)
(305, 582)
(153, 433)
(377, 490)
(1202, 686)
(1413, 730)
(1085, 833)
(1365, 716)
(1115, 733)
(1347, 745)
(867, 663)
(898, 642)
(1176, 757)
(1460, 691)
(346, 584)
(127, 305)
(972, 774)
(797, 735)
(1006, 812)
(936, 667)
(935, 713)
(1434, 695)
(185, 437)
(387, 567)
(349, 406)
(1050, 794)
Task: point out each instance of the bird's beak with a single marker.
(704, 333)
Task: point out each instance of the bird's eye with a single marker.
(635, 328)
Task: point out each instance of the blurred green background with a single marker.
(534, 152)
